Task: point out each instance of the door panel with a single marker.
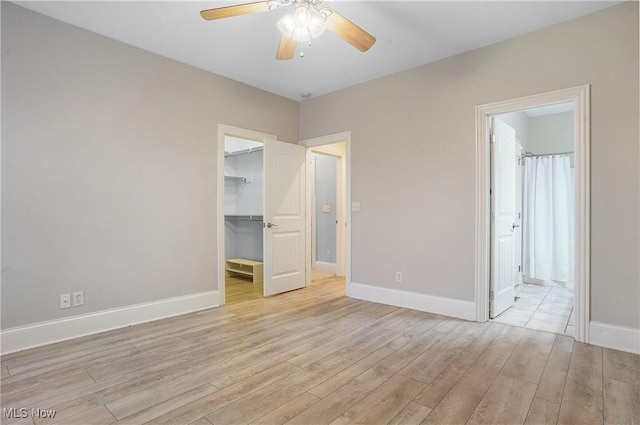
(503, 212)
(284, 214)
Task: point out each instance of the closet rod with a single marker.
(529, 154)
(244, 151)
(236, 179)
(243, 217)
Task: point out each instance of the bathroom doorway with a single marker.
(533, 149)
(488, 283)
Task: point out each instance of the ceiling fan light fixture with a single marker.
(317, 25)
(303, 24)
(287, 24)
(302, 16)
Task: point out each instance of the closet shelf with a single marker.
(244, 151)
(244, 267)
(243, 217)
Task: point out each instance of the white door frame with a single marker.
(580, 97)
(227, 130)
(344, 234)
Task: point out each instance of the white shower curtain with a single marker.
(548, 218)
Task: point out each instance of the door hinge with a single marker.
(519, 268)
(493, 217)
(492, 138)
(491, 295)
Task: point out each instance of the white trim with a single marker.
(617, 337)
(311, 219)
(344, 209)
(325, 267)
(423, 302)
(579, 96)
(330, 139)
(227, 130)
(49, 332)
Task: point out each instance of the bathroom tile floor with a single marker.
(544, 308)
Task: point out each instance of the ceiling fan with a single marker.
(308, 20)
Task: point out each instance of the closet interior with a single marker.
(243, 213)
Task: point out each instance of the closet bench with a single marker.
(244, 267)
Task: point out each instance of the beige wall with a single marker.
(413, 156)
(109, 168)
(108, 163)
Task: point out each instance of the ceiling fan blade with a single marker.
(286, 49)
(349, 32)
(240, 9)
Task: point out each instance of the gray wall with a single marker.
(551, 133)
(243, 239)
(413, 156)
(109, 168)
(326, 173)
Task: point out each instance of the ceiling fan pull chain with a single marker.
(301, 48)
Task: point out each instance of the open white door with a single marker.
(284, 216)
(503, 214)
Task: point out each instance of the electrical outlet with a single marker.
(398, 277)
(355, 206)
(328, 254)
(65, 301)
(78, 298)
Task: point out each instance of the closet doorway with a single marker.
(243, 219)
(532, 218)
(261, 193)
(497, 225)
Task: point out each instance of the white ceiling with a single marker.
(409, 34)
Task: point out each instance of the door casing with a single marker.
(580, 97)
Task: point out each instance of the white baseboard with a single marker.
(44, 333)
(323, 267)
(432, 304)
(617, 337)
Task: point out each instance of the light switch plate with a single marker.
(326, 208)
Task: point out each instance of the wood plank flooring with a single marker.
(240, 289)
(314, 356)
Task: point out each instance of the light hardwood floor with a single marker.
(314, 356)
(239, 289)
